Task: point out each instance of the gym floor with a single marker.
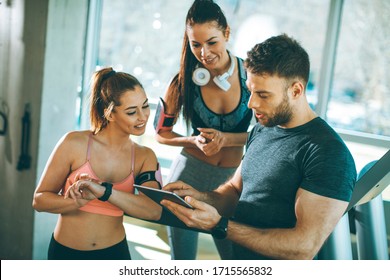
(149, 241)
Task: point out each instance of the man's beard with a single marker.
(282, 115)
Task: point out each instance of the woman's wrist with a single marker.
(107, 191)
(224, 139)
(193, 140)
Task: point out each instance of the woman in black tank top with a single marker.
(210, 92)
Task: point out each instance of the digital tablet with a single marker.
(157, 195)
(372, 183)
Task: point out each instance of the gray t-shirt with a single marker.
(279, 161)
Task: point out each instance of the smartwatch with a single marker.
(107, 192)
(220, 230)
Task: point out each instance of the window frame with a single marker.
(325, 80)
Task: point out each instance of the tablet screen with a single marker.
(158, 195)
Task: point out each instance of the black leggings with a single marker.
(118, 251)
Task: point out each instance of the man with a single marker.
(297, 175)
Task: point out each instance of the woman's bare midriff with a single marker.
(87, 231)
(226, 157)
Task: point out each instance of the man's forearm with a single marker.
(274, 243)
(224, 199)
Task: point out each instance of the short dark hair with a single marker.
(280, 55)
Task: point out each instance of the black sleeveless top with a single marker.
(236, 121)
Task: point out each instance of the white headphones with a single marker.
(201, 76)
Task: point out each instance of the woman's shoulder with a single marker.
(171, 94)
(76, 136)
(143, 150)
(145, 158)
(71, 145)
(75, 139)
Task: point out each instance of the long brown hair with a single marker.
(182, 87)
(107, 87)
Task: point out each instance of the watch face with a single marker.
(219, 233)
(220, 230)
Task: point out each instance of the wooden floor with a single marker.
(149, 241)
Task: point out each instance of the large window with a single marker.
(360, 95)
(359, 100)
(144, 38)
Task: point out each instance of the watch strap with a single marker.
(220, 229)
(107, 192)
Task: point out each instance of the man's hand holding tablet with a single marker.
(157, 195)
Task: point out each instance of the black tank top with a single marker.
(236, 121)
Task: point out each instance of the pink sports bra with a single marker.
(96, 206)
